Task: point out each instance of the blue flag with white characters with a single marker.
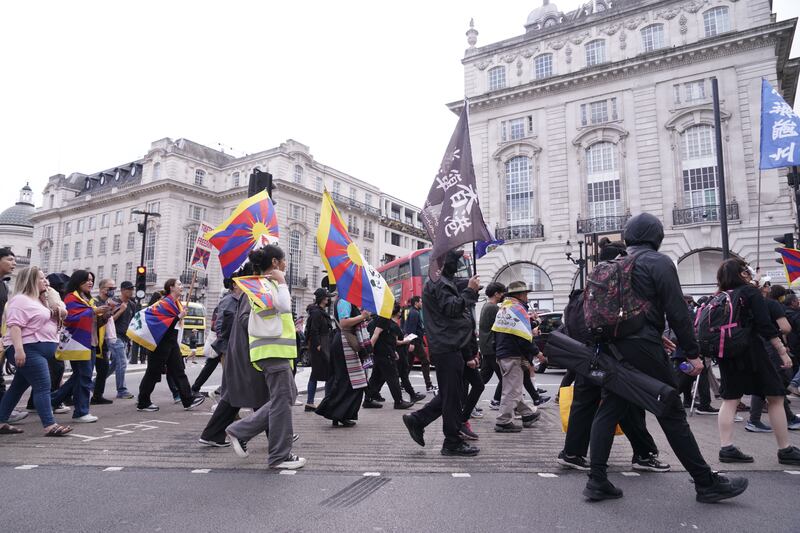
(780, 130)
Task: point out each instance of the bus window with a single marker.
(391, 275)
(421, 263)
(404, 270)
(464, 268)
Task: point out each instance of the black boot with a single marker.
(597, 490)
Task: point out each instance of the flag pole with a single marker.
(723, 201)
(474, 248)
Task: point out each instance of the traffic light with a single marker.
(141, 281)
(260, 180)
(787, 240)
(793, 178)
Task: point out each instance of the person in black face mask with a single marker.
(450, 330)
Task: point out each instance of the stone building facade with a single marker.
(16, 227)
(606, 111)
(86, 221)
(401, 229)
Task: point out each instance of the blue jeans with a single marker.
(79, 386)
(796, 379)
(35, 374)
(312, 388)
(119, 363)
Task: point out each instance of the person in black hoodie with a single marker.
(655, 278)
(450, 329)
(318, 331)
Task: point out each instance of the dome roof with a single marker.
(541, 13)
(18, 215)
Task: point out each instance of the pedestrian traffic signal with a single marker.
(141, 281)
(259, 181)
(787, 240)
(793, 178)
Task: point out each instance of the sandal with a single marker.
(58, 431)
(8, 429)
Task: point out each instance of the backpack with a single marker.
(720, 327)
(611, 308)
(574, 322)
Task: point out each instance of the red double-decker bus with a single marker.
(406, 275)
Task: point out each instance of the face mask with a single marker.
(110, 293)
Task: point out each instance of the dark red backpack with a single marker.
(611, 308)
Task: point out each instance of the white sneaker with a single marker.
(16, 416)
(292, 462)
(61, 409)
(85, 419)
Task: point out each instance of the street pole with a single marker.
(723, 200)
(581, 262)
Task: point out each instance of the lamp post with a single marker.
(580, 262)
(143, 227)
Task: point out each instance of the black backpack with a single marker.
(574, 321)
(722, 326)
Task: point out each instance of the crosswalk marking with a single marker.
(201, 471)
(113, 469)
(547, 474)
(26, 467)
(372, 474)
(630, 474)
(460, 474)
(288, 472)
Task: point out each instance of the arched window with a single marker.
(653, 37)
(602, 178)
(519, 191)
(199, 177)
(298, 174)
(595, 52)
(543, 66)
(235, 179)
(699, 166)
(189, 242)
(541, 295)
(497, 78)
(716, 21)
(156, 171)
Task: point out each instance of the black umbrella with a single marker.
(604, 370)
(58, 281)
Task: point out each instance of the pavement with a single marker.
(157, 459)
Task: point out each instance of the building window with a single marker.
(68, 228)
(716, 21)
(599, 112)
(519, 191)
(131, 240)
(298, 174)
(196, 212)
(118, 218)
(103, 243)
(653, 37)
(699, 166)
(517, 128)
(150, 249)
(367, 199)
(395, 239)
(188, 247)
(156, 171)
(153, 207)
(367, 255)
(235, 179)
(295, 251)
(89, 247)
(543, 66)
(46, 259)
(93, 223)
(100, 273)
(497, 78)
(353, 193)
(115, 243)
(318, 184)
(48, 232)
(114, 272)
(133, 216)
(316, 219)
(603, 191)
(595, 52)
(77, 254)
(79, 226)
(297, 212)
(337, 187)
(129, 271)
(199, 177)
(694, 91)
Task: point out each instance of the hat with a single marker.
(516, 287)
(321, 293)
(126, 285)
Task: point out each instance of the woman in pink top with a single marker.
(31, 341)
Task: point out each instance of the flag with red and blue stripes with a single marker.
(150, 324)
(791, 263)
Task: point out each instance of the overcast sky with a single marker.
(88, 85)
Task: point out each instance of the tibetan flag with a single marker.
(75, 343)
(150, 324)
(259, 290)
(791, 263)
(356, 281)
(512, 318)
(253, 223)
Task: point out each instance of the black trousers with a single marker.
(384, 371)
(474, 384)
(223, 416)
(208, 369)
(404, 369)
(489, 366)
(101, 365)
(649, 358)
(685, 384)
(425, 363)
(166, 353)
(585, 401)
(447, 404)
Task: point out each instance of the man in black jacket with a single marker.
(413, 325)
(450, 330)
(655, 278)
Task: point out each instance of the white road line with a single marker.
(201, 471)
(630, 474)
(547, 474)
(460, 474)
(793, 472)
(288, 472)
(372, 474)
(26, 467)
(113, 469)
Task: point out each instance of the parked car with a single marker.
(548, 322)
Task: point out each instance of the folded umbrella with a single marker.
(618, 376)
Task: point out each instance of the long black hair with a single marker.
(78, 278)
